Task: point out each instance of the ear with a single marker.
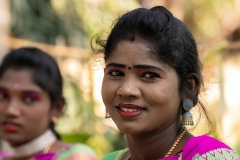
(194, 83)
(57, 109)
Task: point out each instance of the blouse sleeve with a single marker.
(206, 147)
(76, 151)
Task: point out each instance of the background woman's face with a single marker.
(149, 98)
(24, 107)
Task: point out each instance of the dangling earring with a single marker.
(187, 116)
(54, 119)
(107, 115)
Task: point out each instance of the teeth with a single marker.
(129, 110)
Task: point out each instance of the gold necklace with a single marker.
(173, 146)
(176, 142)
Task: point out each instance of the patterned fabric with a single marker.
(197, 148)
(208, 147)
(217, 154)
(205, 148)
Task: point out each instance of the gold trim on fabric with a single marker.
(120, 154)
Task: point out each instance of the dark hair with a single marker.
(170, 40)
(46, 73)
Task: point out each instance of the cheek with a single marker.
(3, 106)
(39, 113)
(106, 96)
(38, 116)
(38, 122)
(108, 92)
(163, 96)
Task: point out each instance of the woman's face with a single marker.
(140, 93)
(24, 107)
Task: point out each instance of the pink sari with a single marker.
(4, 154)
(205, 148)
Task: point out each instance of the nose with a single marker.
(129, 88)
(13, 109)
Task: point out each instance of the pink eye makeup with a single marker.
(144, 70)
(148, 68)
(115, 66)
(110, 69)
(3, 93)
(149, 73)
(115, 70)
(31, 95)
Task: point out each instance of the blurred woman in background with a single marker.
(31, 100)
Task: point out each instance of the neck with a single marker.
(152, 146)
(33, 147)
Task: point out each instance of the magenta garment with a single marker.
(205, 148)
(4, 154)
(47, 156)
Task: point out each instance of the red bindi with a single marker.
(129, 68)
(132, 39)
(16, 85)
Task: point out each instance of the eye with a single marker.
(29, 99)
(150, 76)
(115, 73)
(3, 96)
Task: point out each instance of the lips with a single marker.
(10, 126)
(129, 110)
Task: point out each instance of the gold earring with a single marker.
(54, 119)
(187, 119)
(107, 115)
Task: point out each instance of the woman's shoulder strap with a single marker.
(117, 155)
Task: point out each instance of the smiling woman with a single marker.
(151, 82)
(31, 100)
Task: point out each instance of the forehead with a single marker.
(23, 78)
(138, 50)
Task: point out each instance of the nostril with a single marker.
(129, 91)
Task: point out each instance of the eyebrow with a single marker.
(148, 67)
(116, 65)
(31, 92)
(135, 66)
(24, 92)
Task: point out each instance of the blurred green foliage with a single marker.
(38, 21)
(237, 148)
